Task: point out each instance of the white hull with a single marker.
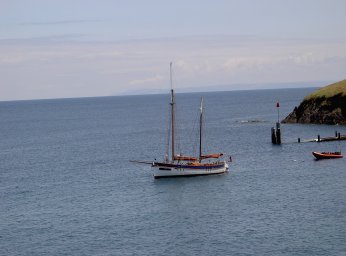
(166, 172)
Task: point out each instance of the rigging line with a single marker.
(196, 135)
(204, 133)
(172, 113)
(178, 126)
(171, 75)
(193, 133)
(200, 130)
(169, 110)
(169, 123)
(206, 145)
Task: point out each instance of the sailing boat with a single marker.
(180, 165)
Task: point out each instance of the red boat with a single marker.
(327, 155)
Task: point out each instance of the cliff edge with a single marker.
(324, 106)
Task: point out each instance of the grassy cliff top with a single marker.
(329, 91)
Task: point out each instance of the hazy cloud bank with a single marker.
(50, 68)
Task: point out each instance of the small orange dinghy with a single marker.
(327, 155)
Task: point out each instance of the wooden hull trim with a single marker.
(320, 156)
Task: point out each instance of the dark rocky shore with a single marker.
(324, 106)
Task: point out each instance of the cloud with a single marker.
(148, 81)
(244, 63)
(335, 60)
(39, 40)
(60, 22)
(80, 68)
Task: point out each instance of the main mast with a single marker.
(172, 110)
(200, 130)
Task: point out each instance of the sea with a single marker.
(68, 186)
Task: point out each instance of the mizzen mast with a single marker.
(172, 103)
(200, 130)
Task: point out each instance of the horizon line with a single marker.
(155, 93)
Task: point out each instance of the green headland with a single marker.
(326, 105)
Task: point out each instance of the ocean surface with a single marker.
(67, 186)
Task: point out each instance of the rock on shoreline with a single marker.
(324, 106)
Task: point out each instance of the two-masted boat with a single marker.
(179, 165)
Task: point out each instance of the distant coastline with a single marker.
(201, 89)
(230, 87)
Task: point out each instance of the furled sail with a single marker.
(184, 158)
(217, 155)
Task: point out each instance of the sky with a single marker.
(82, 48)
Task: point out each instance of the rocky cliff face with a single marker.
(326, 106)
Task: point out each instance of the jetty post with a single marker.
(319, 138)
(273, 135)
(276, 132)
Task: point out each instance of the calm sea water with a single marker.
(67, 186)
